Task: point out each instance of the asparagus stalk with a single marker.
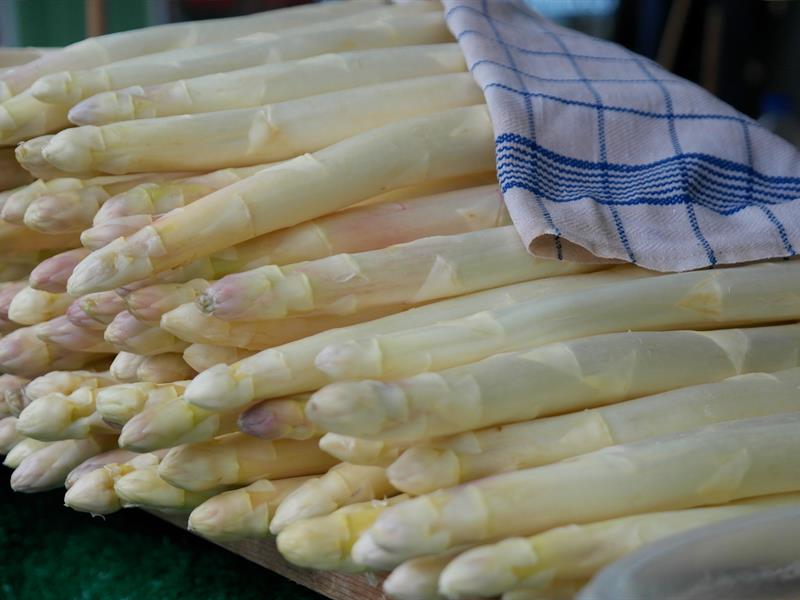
(118, 404)
(144, 488)
(23, 353)
(239, 459)
(95, 311)
(265, 84)
(190, 324)
(203, 356)
(448, 462)
(290, 368)
(278, 419)
(129, 334)
(577, 552)
(61, 332)
(551, 379)
(406, 274)
(97, 51)
(418, 578)
(47, 468)
(375, 28)
(22, 450)
(761, 293)
(97, 462)
(9, 436)
(454, 142)
(324, 542)
(24, 117)
(250, 136)
(359, 451)
(12, 175)
(242, 513)
(712, 465)
(172, 423)
(152, 302)
(164, 368)
(31, 306)
(51, 274)
(124, 366)
(342, 486)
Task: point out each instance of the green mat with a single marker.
(50, 552)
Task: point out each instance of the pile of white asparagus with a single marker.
(264, 276)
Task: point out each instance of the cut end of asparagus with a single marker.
(350, 360)
(93, 493)
(217, 388)
(352, 408)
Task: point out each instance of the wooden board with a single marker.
(263, 552)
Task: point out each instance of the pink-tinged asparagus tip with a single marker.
(123, 327)
(102, 307)
(78, 317)
(51, 274)
(103, 234)
(259, 421)
(217, 389)
(62, 332)
(18, 351)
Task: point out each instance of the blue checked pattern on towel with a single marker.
(604, 155)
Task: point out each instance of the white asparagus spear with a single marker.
(448, 462)
(550, 379)
(251, 136)
(242, 513)
(12, 175)
(97, 462)
(47, 468)
(98, 236)
(28, 155)
(22, 450)
(577, 552)
(144, 488)
(447, 144)
(418, 578)
(289, 369)
(374, 28)
(97, 51)
(129, 334)
(15, 204)
(342, 486)
(406, 274)
(240, 459)
(278, 419)
(266, 84)
(60, 417)
(712, 465)
(24, 117)
(190, 324)
(61, 332)
(204, 356)
(30, 306)
(172, 423)
(164, 368)
(359, 451)
(324, 542)
(9, 436)
(123, 367)
(23, 353)
(120, 403)
(754, 294)
(51, 274)
(95, 311)
(152, 302)
(58, 382)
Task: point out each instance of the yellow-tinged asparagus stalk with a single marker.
(60, 417)
(712, 465)
(124, 366)
(31, 306)
(105, 49)
(325, 542)
(144, 488)
(23, 353)
(418, 578)
(24, 117)
(359, 451)
(265, 84)
(406, 274)
(469, 456)
(378, 27)
(577, 552)
(242, 513)
(51, 275)
(240, 459)
(47, 468)
(447, 144)
(12, 175)
(190, 324)
(95, 311)
(9, 436)
(290, 368)
(97, 462)
(129, 334)
(551, 379)
(342, 486)
(22, 450)
(204, 356)
(164, 368)
(120, 403)
(152, 302)
(284, 418)
(172, 423)
(61, 332)
(761, 293)
(17, 238)
(250, 136)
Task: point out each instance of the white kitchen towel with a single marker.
(604, 155)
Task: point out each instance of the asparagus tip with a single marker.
(217, 388)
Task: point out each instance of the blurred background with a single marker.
(745, 51)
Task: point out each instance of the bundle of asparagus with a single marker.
(351, 349)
